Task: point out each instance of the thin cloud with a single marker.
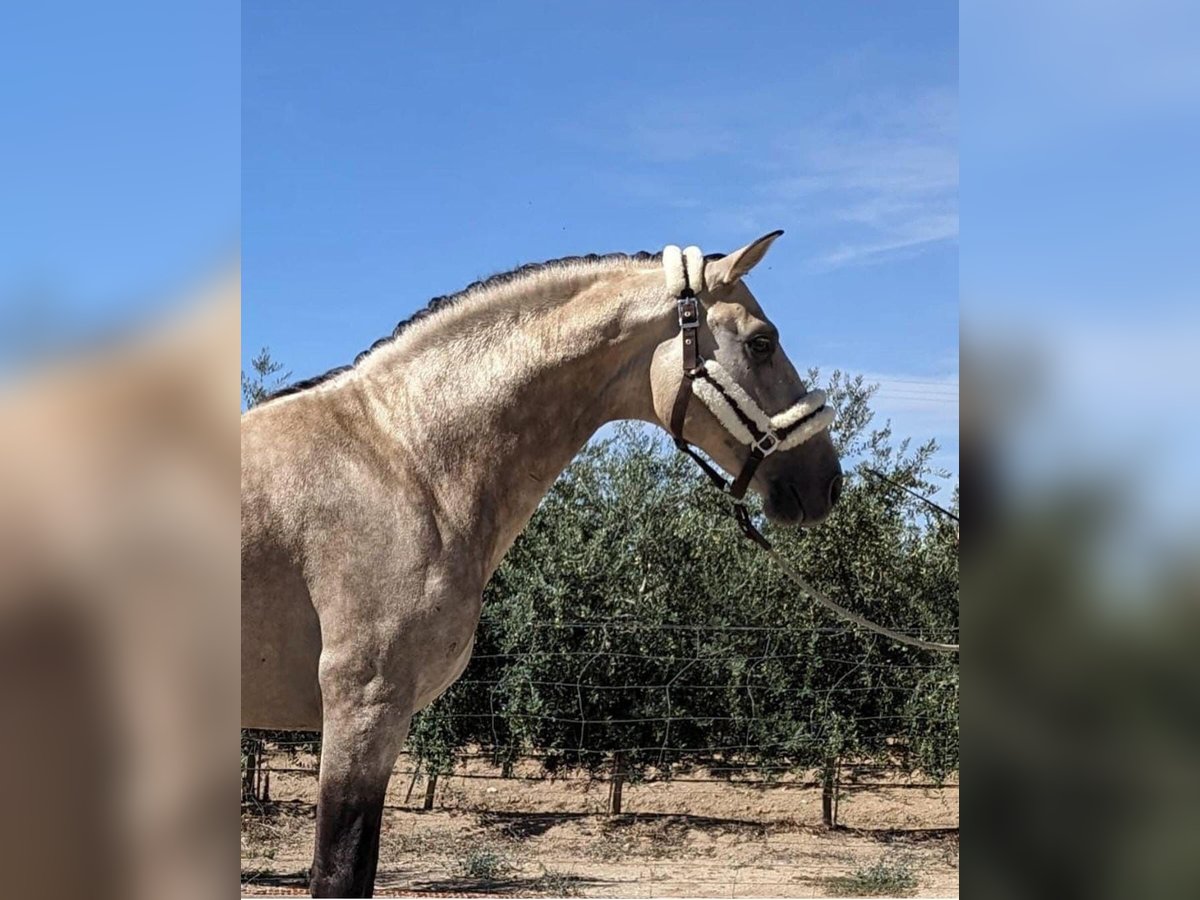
(883, 176)
(872, 181)
(923, 234)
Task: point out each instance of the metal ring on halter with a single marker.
(765, 448)
(689, 312)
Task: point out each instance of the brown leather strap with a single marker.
(742, 482)
(742, 515)
(689, 329)
(717, 479)
(679, 410)
(689, 334)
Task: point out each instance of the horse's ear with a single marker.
(729, 269)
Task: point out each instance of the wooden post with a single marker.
(430, 790)
(250, 776)
(255, 775)
(828, 789)
(837, 790)
(258, 771)
(411, 784)
(615, 786)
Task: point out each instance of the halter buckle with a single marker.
(767, 444)
(689, 312)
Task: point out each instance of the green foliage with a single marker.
(484, 863)
(554, 883)
(630, 616)
(883, 878)
(265, 379)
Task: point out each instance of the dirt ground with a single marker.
(517, 837)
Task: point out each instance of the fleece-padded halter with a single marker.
(745, 420)
(736, 410)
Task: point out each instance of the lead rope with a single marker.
(742, 516)
(790, 571)
(680, 283)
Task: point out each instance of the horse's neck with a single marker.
(499, 412)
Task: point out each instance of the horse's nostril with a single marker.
(799, 503)
(835, 489)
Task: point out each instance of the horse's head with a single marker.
(800, 481)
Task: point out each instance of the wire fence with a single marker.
(731, 764)
(849, 779)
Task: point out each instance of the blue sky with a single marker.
(121, 155)
(389, 157)
(393, 153)
(1079, 266)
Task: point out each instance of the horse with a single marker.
(378, 499)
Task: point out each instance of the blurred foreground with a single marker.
(1082, 677)
(1080, 578)
(119, 611)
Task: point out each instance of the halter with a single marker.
(736, 410)
(745, 420)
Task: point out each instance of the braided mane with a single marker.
(475, 289)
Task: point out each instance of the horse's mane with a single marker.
(485, 285)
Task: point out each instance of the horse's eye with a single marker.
(761, 346)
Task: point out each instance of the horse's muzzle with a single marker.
(788, 503)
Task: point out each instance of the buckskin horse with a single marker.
(378, 499)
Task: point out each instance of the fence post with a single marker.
(837, 790)
(262, 790)
(430, 790)
(412, 783)
(255, 776)
(615, 786)
(829, 793)
(250, 774)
